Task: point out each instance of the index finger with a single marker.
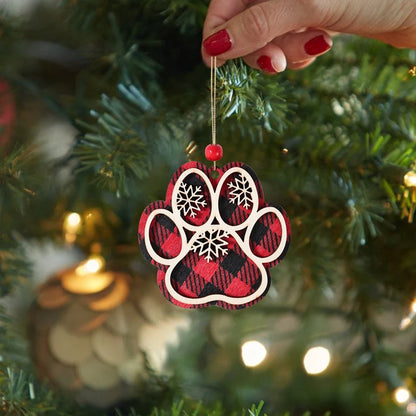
(219, 11)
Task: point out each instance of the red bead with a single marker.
(213, 152)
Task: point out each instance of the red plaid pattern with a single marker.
(233, 273)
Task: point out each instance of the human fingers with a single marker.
(269, 59)
(300, 65)
(294, 50)
(219, 12)
(257, 26)
(301, 47)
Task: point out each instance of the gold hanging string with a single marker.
(213, 88)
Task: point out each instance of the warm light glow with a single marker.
(316, 360)
(93, 264)
(88, 277)
(401, 395)
(70, 238)
(253, 353)
(411, 408)
(73, 219)
(413, 306)
(72, 223)
(410, 179)
(86, 284)
(405, 323)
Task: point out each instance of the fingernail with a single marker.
(217, 43)
(265, 64)
(316, 45)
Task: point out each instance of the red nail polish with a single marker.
(316, 45)
(265, 64)
(217, 43)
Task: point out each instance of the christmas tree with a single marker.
(100, 102)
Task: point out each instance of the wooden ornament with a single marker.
(117, 321)
(110, 298)
(65, 376)
(91, 345)
(53, 296)
(109, 346)
(77, 318)
(85, 284)
(69, 348)
(97, 375)
(214, 240)
(132, 369)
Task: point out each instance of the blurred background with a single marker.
(100, 102)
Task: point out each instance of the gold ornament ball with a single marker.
(93, 341)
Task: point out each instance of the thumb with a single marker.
(258, 25)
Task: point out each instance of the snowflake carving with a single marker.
(241, 192)
(212, 243)
(190, 199)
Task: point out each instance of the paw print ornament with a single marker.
(214, 239)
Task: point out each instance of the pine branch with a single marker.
(17, 182)
(13, 265)
(127, 137)
(182, 408)
(255, 103)
(367, 175)
(363, 67)
(187, 15)
(13, 345)
(19, 396)
(364, 219)
(23, 395)
(10, 36)
(129, 61)
(94, 14)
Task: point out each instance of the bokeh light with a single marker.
(253, 353)
(316, 360)
(401, 395)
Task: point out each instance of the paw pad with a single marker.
(214, 240)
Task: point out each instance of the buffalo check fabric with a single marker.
(202, 260)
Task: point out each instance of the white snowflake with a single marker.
(190, 199)
(211, 243)
(241, 192)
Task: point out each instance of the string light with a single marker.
(253, 353)
(405, 323)
(89, 277)
(72, 222)
(410, 179)
(72, 225)
(408, 320)
(93, 264)
(401, 395)
(316, 360)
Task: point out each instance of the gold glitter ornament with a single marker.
(96, 345)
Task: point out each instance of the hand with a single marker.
(273, 35)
